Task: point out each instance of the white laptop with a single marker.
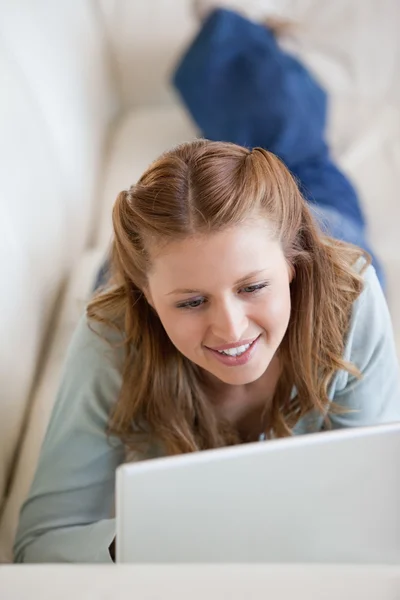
(327, 498)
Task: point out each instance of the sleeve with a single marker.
(67, 515)
(375, 398)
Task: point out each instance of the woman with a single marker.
(230, 317)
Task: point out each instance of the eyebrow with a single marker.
(241, 280)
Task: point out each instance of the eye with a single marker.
(191, 304)
(252, 289)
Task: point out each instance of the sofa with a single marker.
(86, 105)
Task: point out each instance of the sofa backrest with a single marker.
(147, 38)
(56, 102)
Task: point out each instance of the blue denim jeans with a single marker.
(239, 86)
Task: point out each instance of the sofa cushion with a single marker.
(78, 291)
(55, 109)
(146, 39)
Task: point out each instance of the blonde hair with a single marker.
(200, 187)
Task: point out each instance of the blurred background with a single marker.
(86, 104)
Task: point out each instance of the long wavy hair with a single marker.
(202, 187)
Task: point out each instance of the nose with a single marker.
(229, 321)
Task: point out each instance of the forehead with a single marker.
(206, 261)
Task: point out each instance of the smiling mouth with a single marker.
(237, 350)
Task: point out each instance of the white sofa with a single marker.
(85, 106)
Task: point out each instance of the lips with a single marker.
(235, 361)
(235, 345)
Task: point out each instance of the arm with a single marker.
(66, 517)
(375, 398)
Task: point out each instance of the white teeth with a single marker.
(235, 351)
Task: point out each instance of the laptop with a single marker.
(331, 497)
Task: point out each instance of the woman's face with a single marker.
(224, 299)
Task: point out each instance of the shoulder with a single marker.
(370, 333)
(370, 317)
(94, 342)
(93, 368)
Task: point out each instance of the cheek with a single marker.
(277, 313)
(183, 330)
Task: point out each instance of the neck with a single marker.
(243, 405)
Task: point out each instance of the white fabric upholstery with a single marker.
(72, 305)
(352, 46)
(55, 108)
(63, 161)
(199, 581)
(147, 39)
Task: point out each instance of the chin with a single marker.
(241, 381)
(241, 378)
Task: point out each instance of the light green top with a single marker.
(67, 516)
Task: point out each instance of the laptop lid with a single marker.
(329, 497)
